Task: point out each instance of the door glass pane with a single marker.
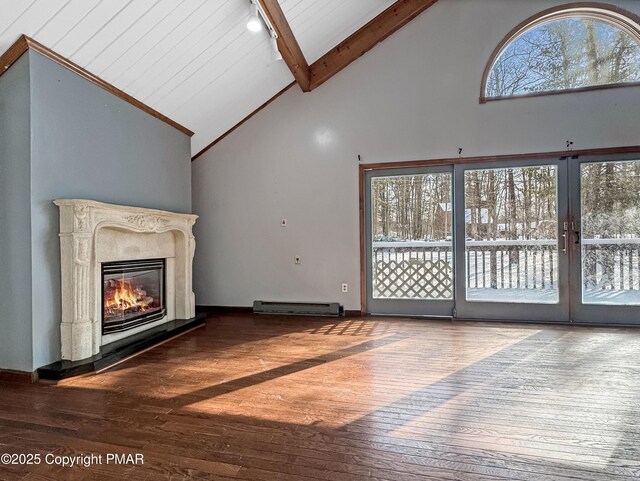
(411, 220)
(511, 243)
(610, 235)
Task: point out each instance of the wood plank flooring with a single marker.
(282, 398)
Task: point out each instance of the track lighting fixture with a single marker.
(275, 51)
(257, 18)
(254, 24)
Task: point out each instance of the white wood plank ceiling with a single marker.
(192, 60)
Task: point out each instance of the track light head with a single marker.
(275, 51)
(254, 24)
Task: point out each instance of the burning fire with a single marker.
(121, 297)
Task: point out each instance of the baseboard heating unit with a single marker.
(298, 308)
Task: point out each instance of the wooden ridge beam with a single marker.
(359, 43)
(287, 44)
(367, 37)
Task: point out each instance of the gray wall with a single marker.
(414, 96)
(71, 140)
(89, 144)
(15, 252)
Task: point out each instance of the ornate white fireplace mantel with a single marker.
(94, 232)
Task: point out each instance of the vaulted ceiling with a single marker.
(191, 60)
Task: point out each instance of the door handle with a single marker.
(564, 242)
(577, 233)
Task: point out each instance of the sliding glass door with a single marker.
(553, 240)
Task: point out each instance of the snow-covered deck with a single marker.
(550, 296)
(547, 296)
(510, 271)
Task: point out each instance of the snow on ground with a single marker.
(550, 296)
(547, 296)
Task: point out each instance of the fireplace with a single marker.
(133, 294)
(124, 270)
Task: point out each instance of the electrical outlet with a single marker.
(345, 287)
(297, 260)
(283, 222)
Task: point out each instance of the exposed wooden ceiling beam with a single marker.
(374, 32)
(287, 44)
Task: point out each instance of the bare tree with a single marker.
(564, 54)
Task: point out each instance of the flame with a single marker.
(125, 297)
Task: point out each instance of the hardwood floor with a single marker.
(269, 398)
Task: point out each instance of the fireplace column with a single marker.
(79, 329)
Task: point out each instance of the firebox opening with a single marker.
(133, 294)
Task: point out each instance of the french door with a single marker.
(511, 242)
(553, 240)
(409, 241)
(604, 233)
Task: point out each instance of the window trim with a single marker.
(611, 14)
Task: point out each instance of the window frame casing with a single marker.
(611, 14)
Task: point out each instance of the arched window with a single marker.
(573, 47)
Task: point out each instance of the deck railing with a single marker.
(419, 269)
